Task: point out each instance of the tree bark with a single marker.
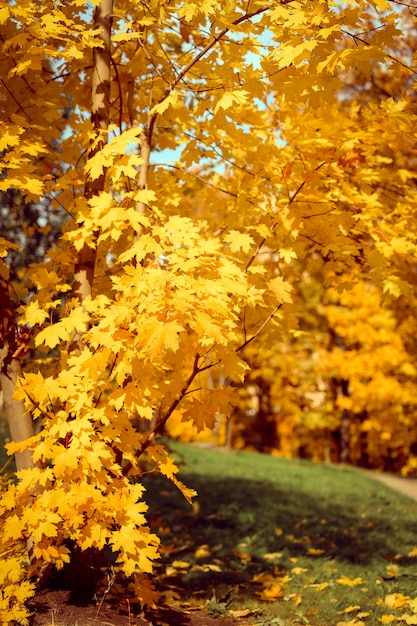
(20, 421)
(84, 268)
(345, 426)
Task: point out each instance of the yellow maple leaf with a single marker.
(147, 196)
(291, 54)
(231, 98)
(4, 16)
(160, 336)
(401, 245)
(170, 100)
(33, 314)
(46, 528)
(52, 335)
(281, 289)
(96, 164)
(10, 139)
(239, 241)
(5, 246)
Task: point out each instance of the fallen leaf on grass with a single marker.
(271, 556)
(270, 592)
(295, 597)
(349, 609)
(244, 613)
(350, 582)
(315, 551)
(202, 552)
(409, 619)
(181, 564)
(392, 570)
(272, 586)
(396, 600)
(299, 570)
(387, 619)
(319, 586)
(207, 567)
(353, 622)
(412, 552)
(176, 567)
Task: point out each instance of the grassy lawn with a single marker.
(293, 541)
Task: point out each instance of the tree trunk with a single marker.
(345, 426)
(20, 421)
(84, 269)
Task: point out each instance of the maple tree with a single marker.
(166, 273)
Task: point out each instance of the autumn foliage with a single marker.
(277, 242)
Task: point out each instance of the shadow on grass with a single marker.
(251, 526)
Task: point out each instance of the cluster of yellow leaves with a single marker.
(15, 589)
(399, 602)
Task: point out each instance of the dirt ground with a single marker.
(57, 608)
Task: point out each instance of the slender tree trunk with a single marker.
(84, 269)
(229, 431)
(20, 421)
(345, 426)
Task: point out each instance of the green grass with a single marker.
(304, 525)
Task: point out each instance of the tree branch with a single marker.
(260, 329)
(161, 423)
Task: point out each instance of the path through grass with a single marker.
(293, 541)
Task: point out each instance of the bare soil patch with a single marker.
(60, 608)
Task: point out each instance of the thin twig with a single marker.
(389, 56)
(260, 329)
(215, 39)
